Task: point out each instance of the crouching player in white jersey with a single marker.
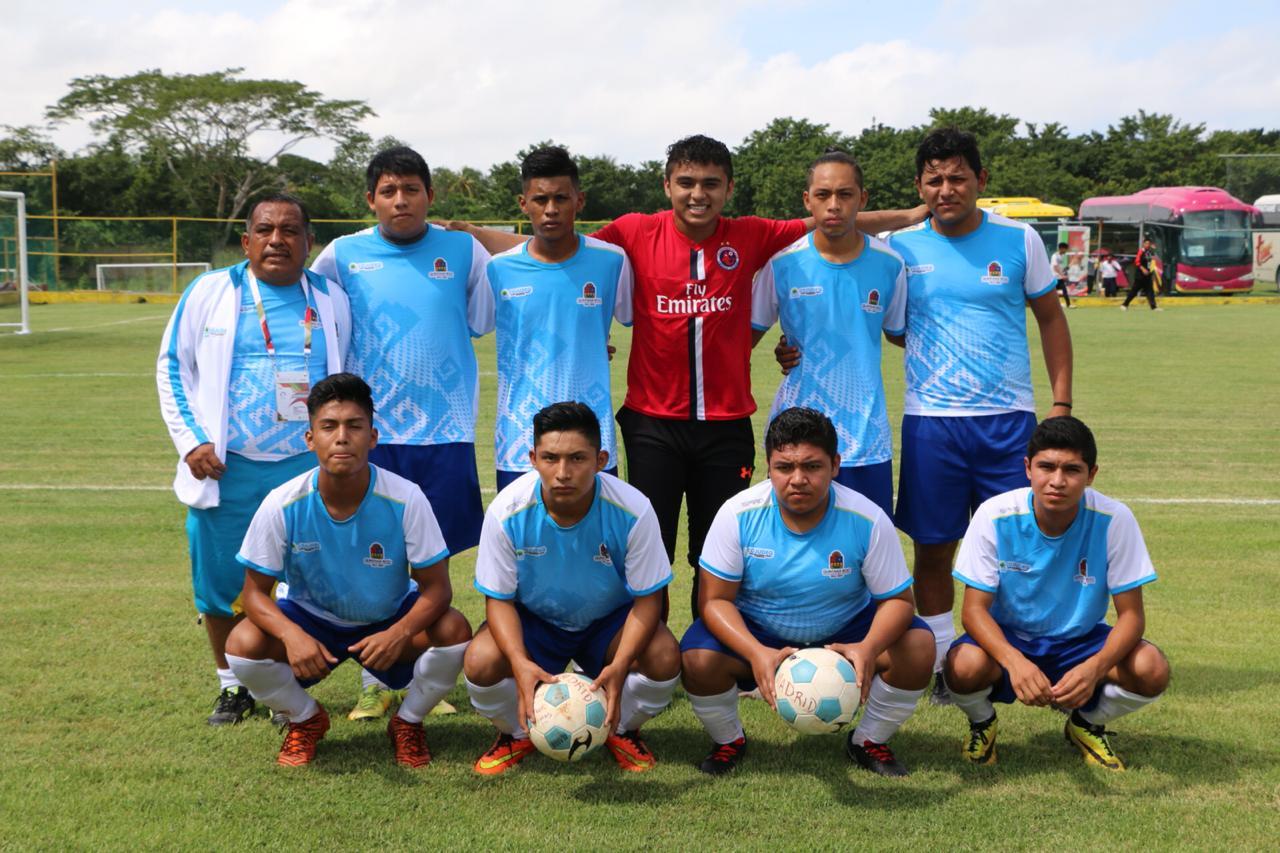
(346, 537)
(572, 567)
(1039, 565)
(803, 561)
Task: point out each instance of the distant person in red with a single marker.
(1144, 274)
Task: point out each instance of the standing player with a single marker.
(1039, 565)
(802, 561)
(346, 537)
(969, 404)
(835, 290)
(572, 567)
(1059, 264)
(555, 297)
(236, 362)
(418, 295)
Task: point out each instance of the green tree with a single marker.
(771, 166)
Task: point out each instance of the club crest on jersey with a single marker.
(995, 274)
(835, 565)
(807, 290)
(728, 258)
(440, 269)
(872, 305)
(364, 266)
(603, 557)
(377, 557)
(515, 292)
(304, 547)
(589, 298)
(1082, 573)
(758, 553)
(531, 551)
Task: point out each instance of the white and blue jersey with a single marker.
(571, 576)
(1046, 586)
(552, 323)
(835, 313)
(805, 586)
(252, 428)
(414, 308)
(966, 321)
(349, 572)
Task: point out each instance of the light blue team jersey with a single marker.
(571, 576)
(966, 316)
(804, 587)
(552, 323)
(1052, 587)
(350, 572)
(414, 309)
(252, 428)
(834, 313)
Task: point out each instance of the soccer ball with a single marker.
(816, 691)
(568, 718)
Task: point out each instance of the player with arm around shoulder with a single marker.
(572, 567)
(803, 561)
(347, 537)
(1039, 565)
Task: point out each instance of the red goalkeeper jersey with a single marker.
(691, 345)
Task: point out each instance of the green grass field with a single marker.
(105, 677)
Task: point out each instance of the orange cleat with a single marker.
(300, 740)
(409, 742)
(631, 753)
(504, 755)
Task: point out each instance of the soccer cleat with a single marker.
(442, 708)
(876, 757)
(980, 746)
(724, 758)
(507, 751)
(409, 743)
(280, 720)
(299, 746)
(232, 706)
(373, 703)
(939, 695)
(1092, 742)
(631, 752)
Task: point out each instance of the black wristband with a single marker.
(1060, 403)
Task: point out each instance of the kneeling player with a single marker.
(804, 561)
(572, 567)
(1038, 565)
(346, 537)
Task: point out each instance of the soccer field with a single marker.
(105, 677)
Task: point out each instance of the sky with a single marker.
(472, 83)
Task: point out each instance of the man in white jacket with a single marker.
(237, 360)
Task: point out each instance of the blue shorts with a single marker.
(874, 482)
(950, 465)
(700, 637)
(447, 475)
(336, 638)
(1053, 657)
(552, 647)
(506, 478)
(214, 535)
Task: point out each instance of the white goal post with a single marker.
(23, 325)
(100, 269)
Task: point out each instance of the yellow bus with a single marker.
(1024, 207)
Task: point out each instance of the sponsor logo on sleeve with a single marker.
(758, 553)
(304, 547)
(872, 305)
(440, 270)
(835, 565)
(1082, 573)
(377, 557)
(920, 269)
(728, 258)
(531, 551)
(515, 292)
(1012, 566)
(214, 330)
(806, 290)
(995, 274)
(364, 266)
(589, 298)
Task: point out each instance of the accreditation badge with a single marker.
(292, 388)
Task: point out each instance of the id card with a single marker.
(292, 388)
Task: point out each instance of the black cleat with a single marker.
(232, 706)
(876, 757)
(939, 695)
(724, 757)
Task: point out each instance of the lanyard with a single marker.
(308, 316)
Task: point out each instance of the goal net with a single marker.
(14, 286)
(147, 278)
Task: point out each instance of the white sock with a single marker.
(887, 708)
(976, 706)
(944, 633)
(642, 700)
(272, 683)
(367, 678)
(719, 715)
(435, 673)
(227, 679)
(1116, 702)
(499, 704)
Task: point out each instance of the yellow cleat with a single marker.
(1092, 742)
(980, 746)
(373, 703)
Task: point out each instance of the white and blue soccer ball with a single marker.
(816, 691)
(568, 718)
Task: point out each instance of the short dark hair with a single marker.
(702, 150)
(835, 155)
(945, 143)
(278, 198)
(801, 426)
(1064, 433)
(567, 417)
(549, 161)
(400, 160)
(340, 387)
(1063, 246)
